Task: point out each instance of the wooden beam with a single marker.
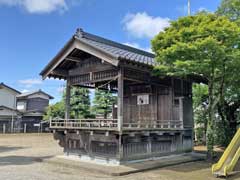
(67, 100)
(75, 43)
(93, 69)
(137, 66)
(108, 57)
(67, 49)
(93, 87)
(74, 59)
(60, 72)
(120, 99)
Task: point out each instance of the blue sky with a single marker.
(32, 31)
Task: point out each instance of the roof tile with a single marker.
(119, 50)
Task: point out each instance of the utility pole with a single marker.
(189, 8)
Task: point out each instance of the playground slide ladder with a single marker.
(229, 158)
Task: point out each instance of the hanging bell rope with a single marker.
(108, 83)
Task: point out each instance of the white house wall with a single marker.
(7, 98)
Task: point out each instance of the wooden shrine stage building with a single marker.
(154, 115)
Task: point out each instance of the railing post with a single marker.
(4, 128)
(181, 110)
(154, 124)
(50, 122)
(139, 125)
(25, 128)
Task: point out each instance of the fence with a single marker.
(23, 127)
(112, 124)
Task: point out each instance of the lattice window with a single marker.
(80, 79)
(104, 74)
(104, 148)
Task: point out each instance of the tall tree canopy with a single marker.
(103, 102)
(56, 110)
(230, 102)
(204, 45)
(80, 103)
(231, 9)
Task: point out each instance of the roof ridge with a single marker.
(82, 34)
(8, 108)
(2, 84)
(34, 92)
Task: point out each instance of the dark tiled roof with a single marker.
(23, 95)
(120, 51)
(113, 49)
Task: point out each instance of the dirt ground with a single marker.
(21, 154)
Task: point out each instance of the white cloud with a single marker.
(37, 6)
(30, 82)
(136, 45)
(25, 91)
(203, 9)
(142, 25)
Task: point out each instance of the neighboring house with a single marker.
(21, 112)
(8, 112)
(32, 106)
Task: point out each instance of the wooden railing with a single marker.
(112, 124)
(166, 124)
(104, 124)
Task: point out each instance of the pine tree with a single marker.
(103, 102)
(80, 103)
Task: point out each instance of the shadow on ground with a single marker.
(202, 165)
(21, 160)
(190, 167)
(8, 148)
(235, 175)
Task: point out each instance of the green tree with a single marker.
(231, 9)
(56, 110)
(103, 102)
(80, 103)
(200, 102)
(230, 102)
(203, 45)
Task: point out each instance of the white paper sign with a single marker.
(36, 125)
(143, 99)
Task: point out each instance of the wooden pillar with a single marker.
(12, 124)
(120, 148)
(67, 100)
(181, 111)
(120, 100)
(4, 128)
(25, 128)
